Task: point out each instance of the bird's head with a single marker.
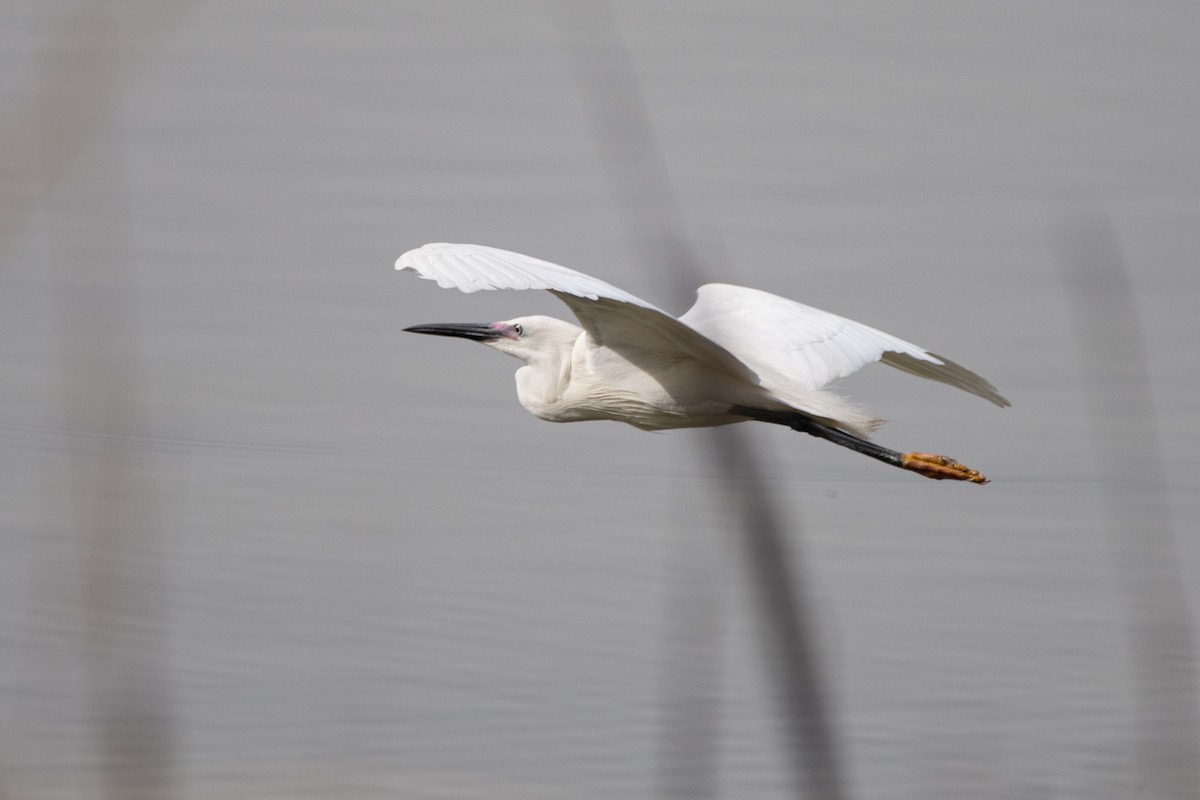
(527, 338)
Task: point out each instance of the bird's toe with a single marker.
(940, 468)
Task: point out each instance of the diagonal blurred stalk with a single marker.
(654, 224)
(790, 634)
(1137, 515)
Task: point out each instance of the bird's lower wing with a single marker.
(634, 330)
(948, 372)
(780, 337)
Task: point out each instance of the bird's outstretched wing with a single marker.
(775, 336)
(612, 317)
(472, 267)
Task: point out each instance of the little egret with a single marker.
(738, 354)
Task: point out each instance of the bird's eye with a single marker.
(519, 329)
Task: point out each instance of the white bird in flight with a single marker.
(738, 354)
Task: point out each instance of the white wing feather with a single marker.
(472, 267)
(612, 317)
(783, 340)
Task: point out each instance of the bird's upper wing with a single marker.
(472, 267)
(777, 336)
(612, 317)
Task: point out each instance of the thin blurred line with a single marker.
(1138, 523)
(76, 81)
(76, 86)
(654, 224)
(70, 101)
(111, 507)
(692, 662)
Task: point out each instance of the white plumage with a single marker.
(472, 267)
(737, 354)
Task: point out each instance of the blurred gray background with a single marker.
(256, 542)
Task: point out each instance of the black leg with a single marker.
(927, 464)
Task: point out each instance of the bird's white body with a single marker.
(568, 378)
(632, 362)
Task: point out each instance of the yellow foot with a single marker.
(940, 468)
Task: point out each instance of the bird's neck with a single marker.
(542, 383)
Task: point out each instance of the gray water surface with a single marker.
(259, 543)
